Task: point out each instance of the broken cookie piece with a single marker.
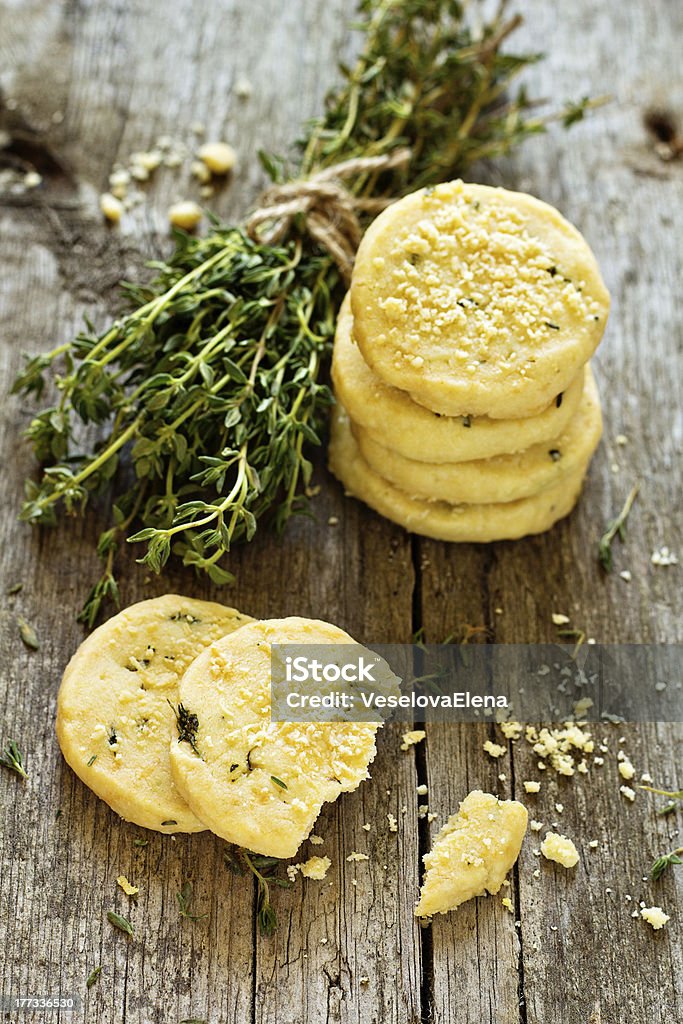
(472, 853)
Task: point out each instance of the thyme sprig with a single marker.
(187, 724)
(11, 757)
(184, 898)
(667, 860)
(263, 868)
(209, 392)
(616, 527)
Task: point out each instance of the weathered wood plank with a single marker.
(358, 573)
(582, 956)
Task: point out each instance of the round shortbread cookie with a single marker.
(392, 419)
(476, 300)
(502, 478)
(258, 783)
(437, 519)
(114, 719)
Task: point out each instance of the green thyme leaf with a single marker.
(662, 863)
(92, 977)
(122, 923)
(668, 808)
(616, 527)
(28, 634)
(11, 758)
(187, 724)
(278, 782)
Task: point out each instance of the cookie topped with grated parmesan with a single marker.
(477, 300)
(257, 783)
(118, 699)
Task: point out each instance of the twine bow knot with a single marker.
(330, 210)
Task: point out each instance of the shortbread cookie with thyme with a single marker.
(499, 479)
(438, 519)
(117, 705)
(257, 783)
(392, 419)
(476, 300)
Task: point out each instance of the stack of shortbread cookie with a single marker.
(164, 712)
(466, 408)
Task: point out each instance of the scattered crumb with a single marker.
(422, 790)
(646, 778)
(411, 738)
(111, 207)
(315, 867)
(536, 826)
(621, 439)
(662, 556)
(393, 823)
(423, 810)
(357, 856)
(626, 769)
(594, 844)
(628, 793)
(316, 840)
(626, 575)
(243, 88)
(654, 916)
(507, 903)
(559, 808)
(532, 787)
(582, 706)
(123, 883)
(185, 214)
(494, 749)
(200, 171)
(364, 980)
(559, 619)
(560, 849)
(511, 730)
(219, 157)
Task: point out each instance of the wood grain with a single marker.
(91, 82)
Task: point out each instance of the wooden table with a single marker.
(96, 80)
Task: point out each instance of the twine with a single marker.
(331, 212)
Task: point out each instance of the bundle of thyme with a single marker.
(208, 392)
